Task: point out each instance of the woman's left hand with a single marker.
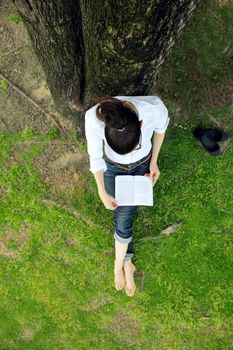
(154, 172)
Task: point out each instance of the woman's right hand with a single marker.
(109, 201)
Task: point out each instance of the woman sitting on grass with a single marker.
(126, 124)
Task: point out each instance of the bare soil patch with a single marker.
(17, 239)
(63, 168)
(125, 327)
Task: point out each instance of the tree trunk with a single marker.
(55, 29)
(127, 42)
(88, 49)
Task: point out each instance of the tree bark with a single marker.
(89, 49)
(55, 29)
(127, 42)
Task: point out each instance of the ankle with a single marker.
(118, 264)
(128, 264)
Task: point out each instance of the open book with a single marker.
(133, 190)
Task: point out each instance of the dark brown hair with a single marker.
(117, 116)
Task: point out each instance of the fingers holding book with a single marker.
(154, 173)
(109, 201)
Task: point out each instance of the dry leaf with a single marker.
(170, 229)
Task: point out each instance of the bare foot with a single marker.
(119, 277)
(130, 286)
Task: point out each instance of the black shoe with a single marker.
(198, 132)
(216, 134)
(210, 145)
(207, 142)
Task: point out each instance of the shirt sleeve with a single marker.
(161, 120)
(94, 145)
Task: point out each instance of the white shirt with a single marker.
(151, 110)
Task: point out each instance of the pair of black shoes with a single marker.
(209, 138)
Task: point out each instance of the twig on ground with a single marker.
(14, 50)
(166, 232)
(14, 54)
(170, 229)
(3, 123)
(70, 210)
(48, 142)
(34, 103)
(225, 149)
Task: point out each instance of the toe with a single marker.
(122, 285)
(127, 291)
(132, 290)
(119, 285)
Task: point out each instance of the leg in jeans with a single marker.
(123, 215)
(123, 219)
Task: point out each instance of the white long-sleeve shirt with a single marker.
(151, 110)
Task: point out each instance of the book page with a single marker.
(124, 190)
(133, 190)
(143, 190)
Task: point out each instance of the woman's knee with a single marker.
(123, 219)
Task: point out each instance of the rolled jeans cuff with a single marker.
(122, 240)
(128, 256)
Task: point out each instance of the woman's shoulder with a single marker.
(152, 104)
(91, 118)
(152, 99)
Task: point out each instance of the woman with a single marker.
(126, 124)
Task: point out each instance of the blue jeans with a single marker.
(123, 215)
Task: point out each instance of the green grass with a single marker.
(197, 75)
(60, 296)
